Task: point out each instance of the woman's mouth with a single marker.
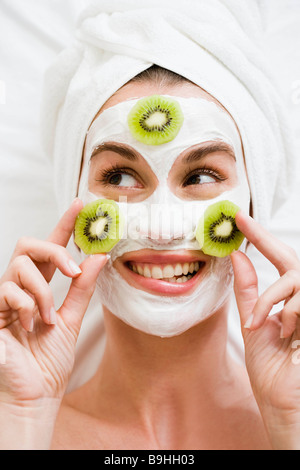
(169, 273)
(163, 273)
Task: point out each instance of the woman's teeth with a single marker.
(169, 273)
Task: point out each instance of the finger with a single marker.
(278, 253)
(26, 275)
(290, 316)
(14, 299)
(245, 285)
(47, 252)
(81, 291)
(64, 229)
(281, 290)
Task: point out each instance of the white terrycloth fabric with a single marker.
(216, 44)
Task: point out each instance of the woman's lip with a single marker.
(164, 257)
(159, 286)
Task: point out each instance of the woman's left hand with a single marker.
(271, 341)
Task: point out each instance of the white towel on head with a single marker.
(216, 44)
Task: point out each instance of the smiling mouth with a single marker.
(163, 273)
(172, 273)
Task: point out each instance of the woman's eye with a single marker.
(199, 179)
(124, 180)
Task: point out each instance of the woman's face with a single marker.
(158, 267)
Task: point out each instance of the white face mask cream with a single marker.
(164, 221)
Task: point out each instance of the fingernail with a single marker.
(52, 316)
(100, 255)
(74, 268)
(281, 333)
(30, 329)
(243, 213)
(249, 322)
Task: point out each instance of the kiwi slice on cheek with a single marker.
(98, 227)
(155, 120)
(217, 232)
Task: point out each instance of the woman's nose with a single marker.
(163, 224)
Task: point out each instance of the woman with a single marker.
(180, 391)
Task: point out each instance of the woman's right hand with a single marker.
(37, 343)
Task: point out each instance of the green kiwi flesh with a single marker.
(98, 227)
(217, 232)
(155, 120)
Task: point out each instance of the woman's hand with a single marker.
(37, 342)
(270, 341)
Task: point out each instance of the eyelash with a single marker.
(114, 170)
(203, 171)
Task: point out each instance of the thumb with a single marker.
(81, 290)
(245, 285)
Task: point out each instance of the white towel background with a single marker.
(31, 35)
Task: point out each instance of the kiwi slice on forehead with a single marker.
(217, 232)
(155, 120)
(98, 227)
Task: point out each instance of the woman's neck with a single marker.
(146, 376)
(147, 360)
(180, 392)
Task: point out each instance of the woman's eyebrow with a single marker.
(212, 147)
(125, 152)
